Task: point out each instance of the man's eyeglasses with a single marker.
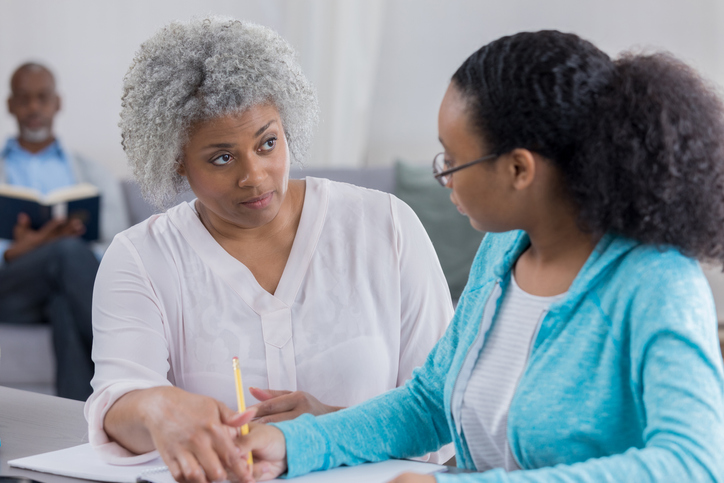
(441, 170)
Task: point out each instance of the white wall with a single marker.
(89, 45)
(412, 49)
(424, 41)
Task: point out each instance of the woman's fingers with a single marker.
(278, 404)
(196, 435)
(413, 478)
(212, 459)
(210, 453)
(235, 421)
(208, 457)
(268, 446)
(278, 417)
(191, 471)
(290, 405)
(174, 469)
(224, 442)
(264, 394)
(266, 470)
(239, 419)
(240, 468)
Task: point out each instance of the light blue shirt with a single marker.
(44, 171)
(624, 383)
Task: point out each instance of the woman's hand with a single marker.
(269, 449)
(278, 406)
(413, 478)
(194, 434)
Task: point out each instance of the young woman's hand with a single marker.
(278, 406)
(269, 450)
(195, 435)
(413, 478)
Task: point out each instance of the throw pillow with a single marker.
(455, 241)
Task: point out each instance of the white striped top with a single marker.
(495, 377)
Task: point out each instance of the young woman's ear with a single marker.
(522, 166)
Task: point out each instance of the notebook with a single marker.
(83, 462)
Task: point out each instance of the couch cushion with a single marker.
(379, 178)
(26, 354)
(455, 241)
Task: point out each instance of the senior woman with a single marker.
(329, 294)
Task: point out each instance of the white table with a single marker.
(33, 423)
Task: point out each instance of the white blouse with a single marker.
(361, 302)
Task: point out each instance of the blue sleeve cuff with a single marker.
(307, 448)
(4, 245)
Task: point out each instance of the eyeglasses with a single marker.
(441, 170)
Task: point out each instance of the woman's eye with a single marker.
(448, 164)
(221, 160)
(268, 144)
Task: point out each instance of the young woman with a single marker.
(584, 347)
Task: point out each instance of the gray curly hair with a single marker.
(199, 70)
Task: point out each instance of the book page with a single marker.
(74, 192)
(68, 193)
(20, 192)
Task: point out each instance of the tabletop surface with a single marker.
(33, 423)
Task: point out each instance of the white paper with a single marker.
(83, 462)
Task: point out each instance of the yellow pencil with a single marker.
(240, 400)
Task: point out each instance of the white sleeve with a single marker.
(130, 348)
(426, 306)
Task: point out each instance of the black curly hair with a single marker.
(639, 140)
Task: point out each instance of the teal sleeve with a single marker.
(676, 367)
(405, 422)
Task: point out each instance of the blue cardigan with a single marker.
(624, 381)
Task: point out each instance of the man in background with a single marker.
(47, 275)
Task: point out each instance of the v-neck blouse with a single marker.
(361, 302)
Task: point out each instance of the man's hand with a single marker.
(25, 239)
(278, 406)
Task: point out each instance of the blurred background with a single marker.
(380, 67)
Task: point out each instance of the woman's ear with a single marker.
(522, 166)
(180, 168)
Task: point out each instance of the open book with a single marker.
(83, 462)
(81, 201)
